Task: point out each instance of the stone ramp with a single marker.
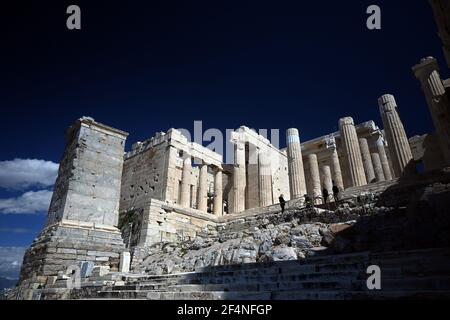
(404, 275)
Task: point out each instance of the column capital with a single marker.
(387, 103)
(426, 65)
(346, 121)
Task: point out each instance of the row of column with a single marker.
(364, 166)
(297, 181)
(202, 194)
(265, 194)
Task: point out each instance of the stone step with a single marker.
(280, 295)
(359, 295)
(409, 283)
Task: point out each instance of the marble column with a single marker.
(337, 172)
(265, 180)
(384, 160)
(367, 160)
(438, 101)
(377, 167)
(315, 176)
(239, 178)
(218, 193)
(399, 149)
(327, 179)
(352, 151)
(185, 195)
(202, 195)
(297, 184)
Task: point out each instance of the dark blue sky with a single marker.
(146, 66)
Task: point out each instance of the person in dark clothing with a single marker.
(307, 200)
(282, 203)
(335, 192)
(325, 195)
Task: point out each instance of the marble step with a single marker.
(281, 295)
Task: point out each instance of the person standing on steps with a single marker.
(282, 203)
(307, 201)
(335, 192)
(325, 195)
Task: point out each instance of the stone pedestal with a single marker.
(315, 177)
(367, 160)
(399, 149)
(83, 215)
(352, 151)
(202, 195)
(218, 194)
(239, 178)
(124, 264)
(185, 192)
(378, 168)
(297, 184)
(438, 101)
(265, 180)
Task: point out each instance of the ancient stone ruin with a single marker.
(169, 219)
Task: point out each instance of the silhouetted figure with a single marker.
(335, 192)
(307, 200)
(325, 195)
(282, 203)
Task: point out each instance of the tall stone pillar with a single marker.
(202, 195)
(352, 151)
(315, 176)
(218, 193)
(367, 160)
(337, 172)
(84, 210)
(327, 179)
(398, 143)
(384, 160)
(377, 167)
(265, 180)
(185, 192)
(438, 101)
(297, 184)
(239, 178)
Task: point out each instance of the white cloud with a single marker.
(20, 174)
(16, 230)
(29, 202)
(10, 261)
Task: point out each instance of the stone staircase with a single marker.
(418, 274)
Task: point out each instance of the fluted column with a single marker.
(337, 172)
(377, 167)
(327, 179)
(202, 195)
(218, 193)
(384, 160)
(239, 178)
(315, 176)
(185, 195)
(438, 101)
(297, 184)
(398, 143)
(352, 151)
(367, 160)
(265, 180)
